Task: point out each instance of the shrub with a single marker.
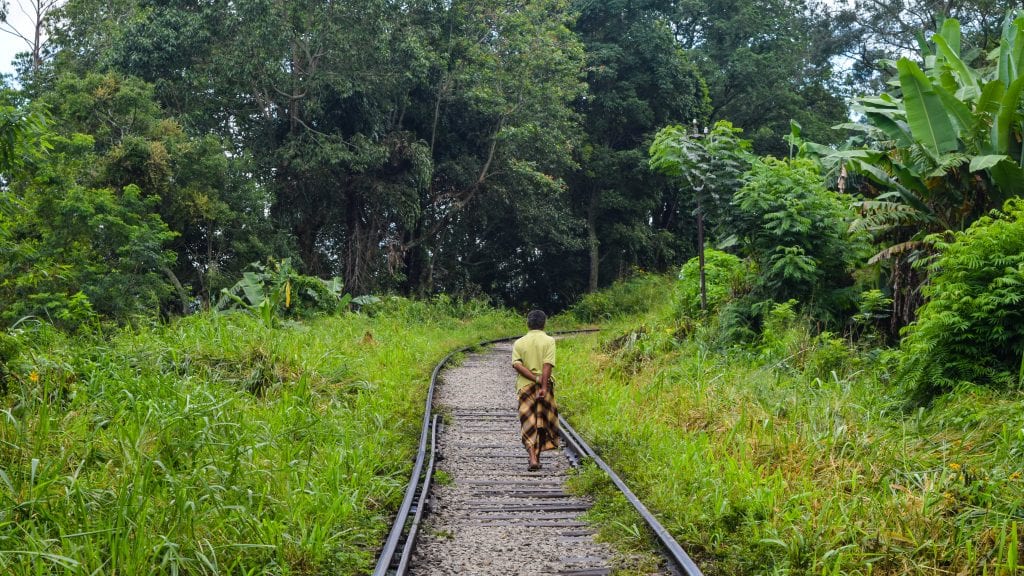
(971, 328)
(636, 295)
(68, 254)
(278, 290)
(796, 231)
(873, 309)
(726, 276)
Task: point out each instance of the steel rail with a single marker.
(671, 547)
(428, 475)
(571, 437)
(387, 554)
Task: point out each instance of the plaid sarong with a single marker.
(538, 417)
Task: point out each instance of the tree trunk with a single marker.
(906, 295)
(416, 263)
(182, 293)
(700, 258)
(351, 261)
(593, 244)
(305, 234)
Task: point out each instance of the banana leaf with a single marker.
(1003, 121)
(893, 113)
(991, 95)
(885, 101)
(1009, 178)
(988, 105)
(892, 128)
(970, 90)
(252, 286)
(987, 161)
(896, 250)
(929, 121)
(957, 109)
(1011, 51)
(856, 127)
(949, 35)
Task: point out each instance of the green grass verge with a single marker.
(216, 446)
(795, 455)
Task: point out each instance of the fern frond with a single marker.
(880, 215)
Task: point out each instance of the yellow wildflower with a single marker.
(1015, 475)
(954, 466)
(33, 376)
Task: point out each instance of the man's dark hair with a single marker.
(536, 319)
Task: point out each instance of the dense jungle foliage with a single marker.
(474, 148)
(467, 148)
(795, 452)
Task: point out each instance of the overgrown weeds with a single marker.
(793, 453)
(215, 445)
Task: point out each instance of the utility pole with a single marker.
(700, 228)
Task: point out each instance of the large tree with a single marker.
(638, 79)
(767, 63)
(374, 126)
(70, 247)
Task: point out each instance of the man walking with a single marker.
(533, 357)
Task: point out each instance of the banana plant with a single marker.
(270, 291)
(938, 150)
(947, 138)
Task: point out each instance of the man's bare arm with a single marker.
(545, 375)
(522, 369)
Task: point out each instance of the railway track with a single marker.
(488, 515)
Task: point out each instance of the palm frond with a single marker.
(896, 250)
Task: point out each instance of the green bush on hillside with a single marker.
(636, 295)
(791, 454)
(277, 289)
(796, 230)
(971, 329)
(726, 276)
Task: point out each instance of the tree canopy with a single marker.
(488, 148)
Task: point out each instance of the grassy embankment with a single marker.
(216, 446)
(793, 455)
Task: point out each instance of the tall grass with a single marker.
(795, 454)
(215, 445)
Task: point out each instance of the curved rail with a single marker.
(420, 479)
(387, 554)
(672, 548)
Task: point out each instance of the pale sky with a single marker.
(9, 44)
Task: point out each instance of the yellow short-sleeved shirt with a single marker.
(533, 351)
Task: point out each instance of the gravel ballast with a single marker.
(495, 517)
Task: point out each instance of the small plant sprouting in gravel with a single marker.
(442, 478)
